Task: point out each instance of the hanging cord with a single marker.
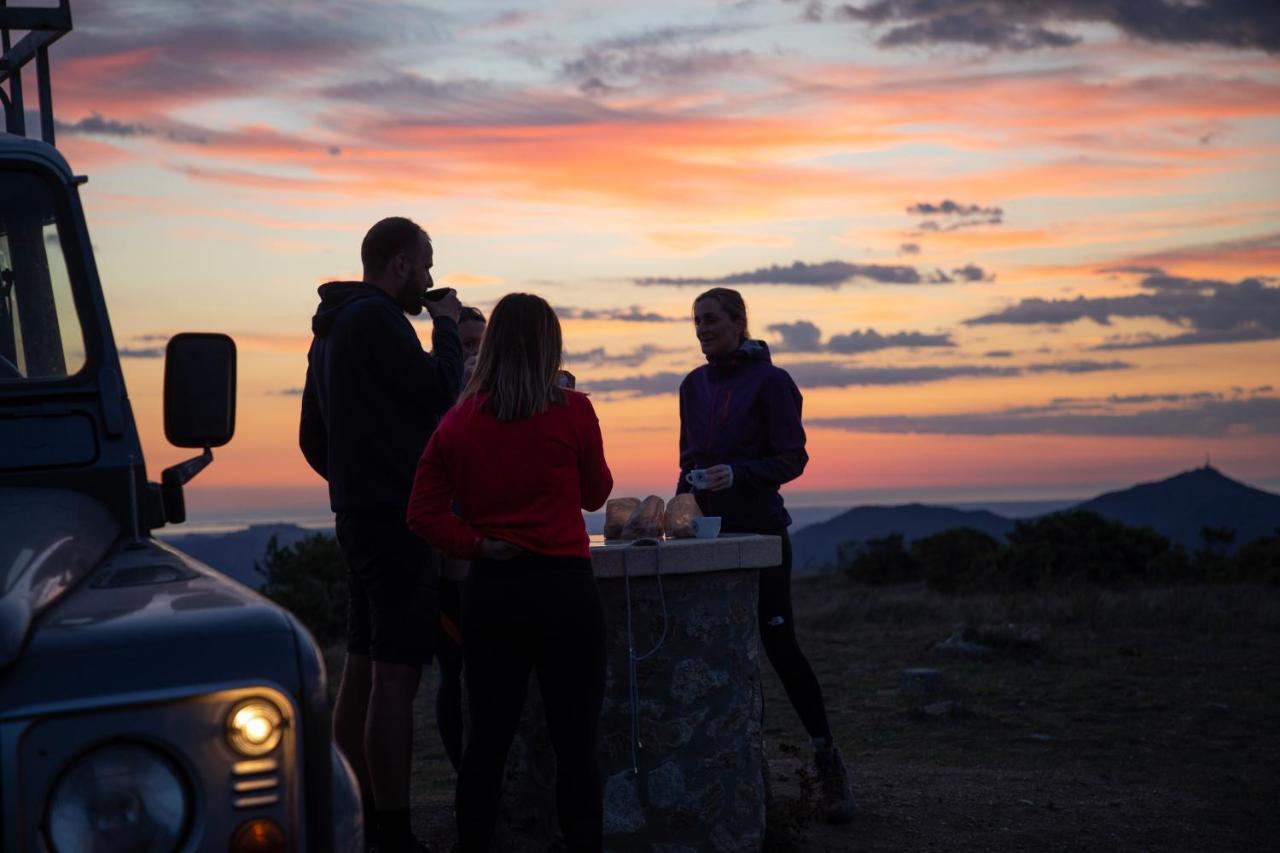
(633, 688)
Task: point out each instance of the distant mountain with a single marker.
(814, 547)
(1179, 506)
(235, 553)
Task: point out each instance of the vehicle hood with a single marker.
(49, 540)
(152, 620)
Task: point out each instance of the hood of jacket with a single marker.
(748, 351)
(334, 296)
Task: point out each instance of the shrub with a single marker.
(1175, 565)
(879, 562)
(1078, 545)
(1259, 560)
(956, 560)
(309, 579)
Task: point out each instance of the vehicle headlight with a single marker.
(119, 797)
(254, 727)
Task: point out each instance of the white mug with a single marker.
(697, 478)
(706, 527)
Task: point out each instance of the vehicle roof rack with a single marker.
(43, 26)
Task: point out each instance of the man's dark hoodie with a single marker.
(742, 411)
(372, 396)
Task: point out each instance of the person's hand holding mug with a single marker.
(446, 305)
(713, 479)
(719, 478)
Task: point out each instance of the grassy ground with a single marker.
(1150, 720)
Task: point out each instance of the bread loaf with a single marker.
(646, 520)
(616, 513)
(681, 512)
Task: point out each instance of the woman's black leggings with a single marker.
(532, 614)
(778, 633)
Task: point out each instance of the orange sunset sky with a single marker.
(1006, 250)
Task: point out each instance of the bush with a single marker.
(1175, 566)
(956, 560)
(1259, 560)
(309, 579)
(879, 562)
(1078, 545)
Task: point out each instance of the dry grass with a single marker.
(1148, 723)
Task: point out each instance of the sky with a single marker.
(1007, 250)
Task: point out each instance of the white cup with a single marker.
(706, 527)
(697, 478)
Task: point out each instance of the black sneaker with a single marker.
(838, 805)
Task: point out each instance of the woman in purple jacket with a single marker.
(740, 423)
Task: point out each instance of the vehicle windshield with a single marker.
(40, 332)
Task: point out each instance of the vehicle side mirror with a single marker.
(199, 390)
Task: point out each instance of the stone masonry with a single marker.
(700, 785)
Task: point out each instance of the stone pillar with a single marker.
(699, 785)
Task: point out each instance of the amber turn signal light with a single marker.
(259, 835)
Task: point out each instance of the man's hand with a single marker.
(719, 478)
(497, 549)
(446, 306)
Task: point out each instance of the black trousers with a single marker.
(778, 635)
(532, 614)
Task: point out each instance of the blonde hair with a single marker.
(519, 359)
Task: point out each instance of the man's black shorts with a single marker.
(393, 577)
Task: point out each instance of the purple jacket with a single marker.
(743, 412)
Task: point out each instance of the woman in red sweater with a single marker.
(520, 457)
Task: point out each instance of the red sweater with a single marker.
(523, 481)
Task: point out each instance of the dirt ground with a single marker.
(1142, 720)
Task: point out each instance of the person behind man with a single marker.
(471, 325)
(740, 422)
(471, 330)
(520, 457)
(372, 398)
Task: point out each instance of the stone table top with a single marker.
(614, 558)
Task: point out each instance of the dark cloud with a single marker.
(1019, 25)
(800, 336)
(827, 274)
(418, 101)
(813, 11)
(803, 336)
(634, 314)
(190, 50)
(1078, 366)
(1137, 399)
(999, 353)
(601, 357)
(871, 340)
(970, 272)
(648, 385)
(1133, 270)
(838, 374)
(958, 216)
(1203, 419)
(672, 55)
(96, 125)
(909, 249)
(286, 392)
(1212, 311)
(931, 227)
(142, 352)
(947, 207)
